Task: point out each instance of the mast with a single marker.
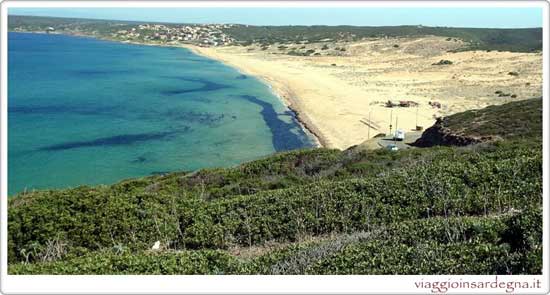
(368, 136)
(391, 118)
(394, 137)
(396, 122)
(416, 117)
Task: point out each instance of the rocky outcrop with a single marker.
(438, 134)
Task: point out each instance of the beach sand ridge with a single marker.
(336, 91)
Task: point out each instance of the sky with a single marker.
(359, 16)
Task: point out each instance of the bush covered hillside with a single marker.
(513, 121)
(515, 40)
(438, 210)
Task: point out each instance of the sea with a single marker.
(83, 111)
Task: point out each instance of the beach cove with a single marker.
(335, 101)
(340, 97)
(84, 111)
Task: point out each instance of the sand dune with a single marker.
(335, 92)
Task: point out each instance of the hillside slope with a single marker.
(520, 119)
(515, 40)
(438, 210)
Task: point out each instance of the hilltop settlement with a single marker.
(205, 35)
(168, 34)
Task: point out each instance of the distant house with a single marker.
(50, 29)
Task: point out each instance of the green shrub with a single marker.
(456, 245)
(452, 184)
(442, 62)
(108, 263)
(452, 210)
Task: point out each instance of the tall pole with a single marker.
(391, 119)
(395, 139)
(396, 117)
(369, 125)
(416, 117)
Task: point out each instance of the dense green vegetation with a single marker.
(459, 210)
(428, 246)
(520, 40)
(515, 120)
(517, 40)
(92, 26)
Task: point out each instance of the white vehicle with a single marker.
(399, 135)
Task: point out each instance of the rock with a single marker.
(438, 134)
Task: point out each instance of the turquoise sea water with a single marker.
(85, 111)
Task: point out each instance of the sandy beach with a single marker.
(335, 92)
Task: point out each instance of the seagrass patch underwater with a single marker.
(86, 111)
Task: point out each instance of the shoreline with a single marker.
(372, 87)
(285, 96)
(282, 92)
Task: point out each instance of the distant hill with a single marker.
(437, 210)
(516, 40)
(41, 23)
(520, 40)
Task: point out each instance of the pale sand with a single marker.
(333, 102)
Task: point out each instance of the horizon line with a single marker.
(251, 25)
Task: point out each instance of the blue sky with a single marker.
(449, 17)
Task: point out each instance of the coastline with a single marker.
(329, 108)
(341, 100)
(279, 89)
(285, 95)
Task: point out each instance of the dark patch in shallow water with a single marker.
(140, 159)
(60, 109)
(288, 113)
(222, 142)
(146, 157)
(241, 77)
(203, 118)
(117, 140)
(100, 72)
(206, 61)
(207, 86)
(283, 138)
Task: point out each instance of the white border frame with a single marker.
(43, 284)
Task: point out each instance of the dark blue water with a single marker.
(86, 111)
